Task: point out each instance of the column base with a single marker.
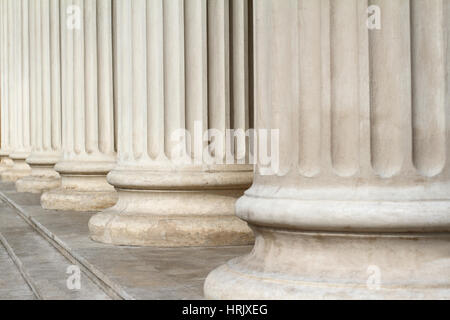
(43, 177)
(68, 199)
(6, 163)
(19, 170)
(83, 187)
(296, 265)
(171, 219)
(174, 209)
(37, 184)
(339, 250)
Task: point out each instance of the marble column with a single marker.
(5, 133)
(45, 96)
(174, 71)
(87, 108)
(360, 205)
(19, 94)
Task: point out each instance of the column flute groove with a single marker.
(428, 86)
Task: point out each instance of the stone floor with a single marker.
(43, 243)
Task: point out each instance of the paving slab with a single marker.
(12, 285)
(45, 266)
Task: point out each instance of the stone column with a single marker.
(360, 207)
(173, 72)
(87, 108)
(45, 97)
(20, 81)
(5, 136)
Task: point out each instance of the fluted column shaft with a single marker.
(173, 72)
(45, 94)
(19, 91)
(87, 108)
(360, 205)
(5, 115)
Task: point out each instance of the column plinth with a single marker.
(18, 170)
(328, 249)
(6, 162)
(43, 175)
(83, 187)
(286, 264)
(174, 208)
(360, 205)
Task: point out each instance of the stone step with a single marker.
(13, 285)
(44, 269)
(124, 272)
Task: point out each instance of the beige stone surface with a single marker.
(5, 163)
(83, 187)
(19, 170)
(39, 180)
(63, 199)
(155, 210)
